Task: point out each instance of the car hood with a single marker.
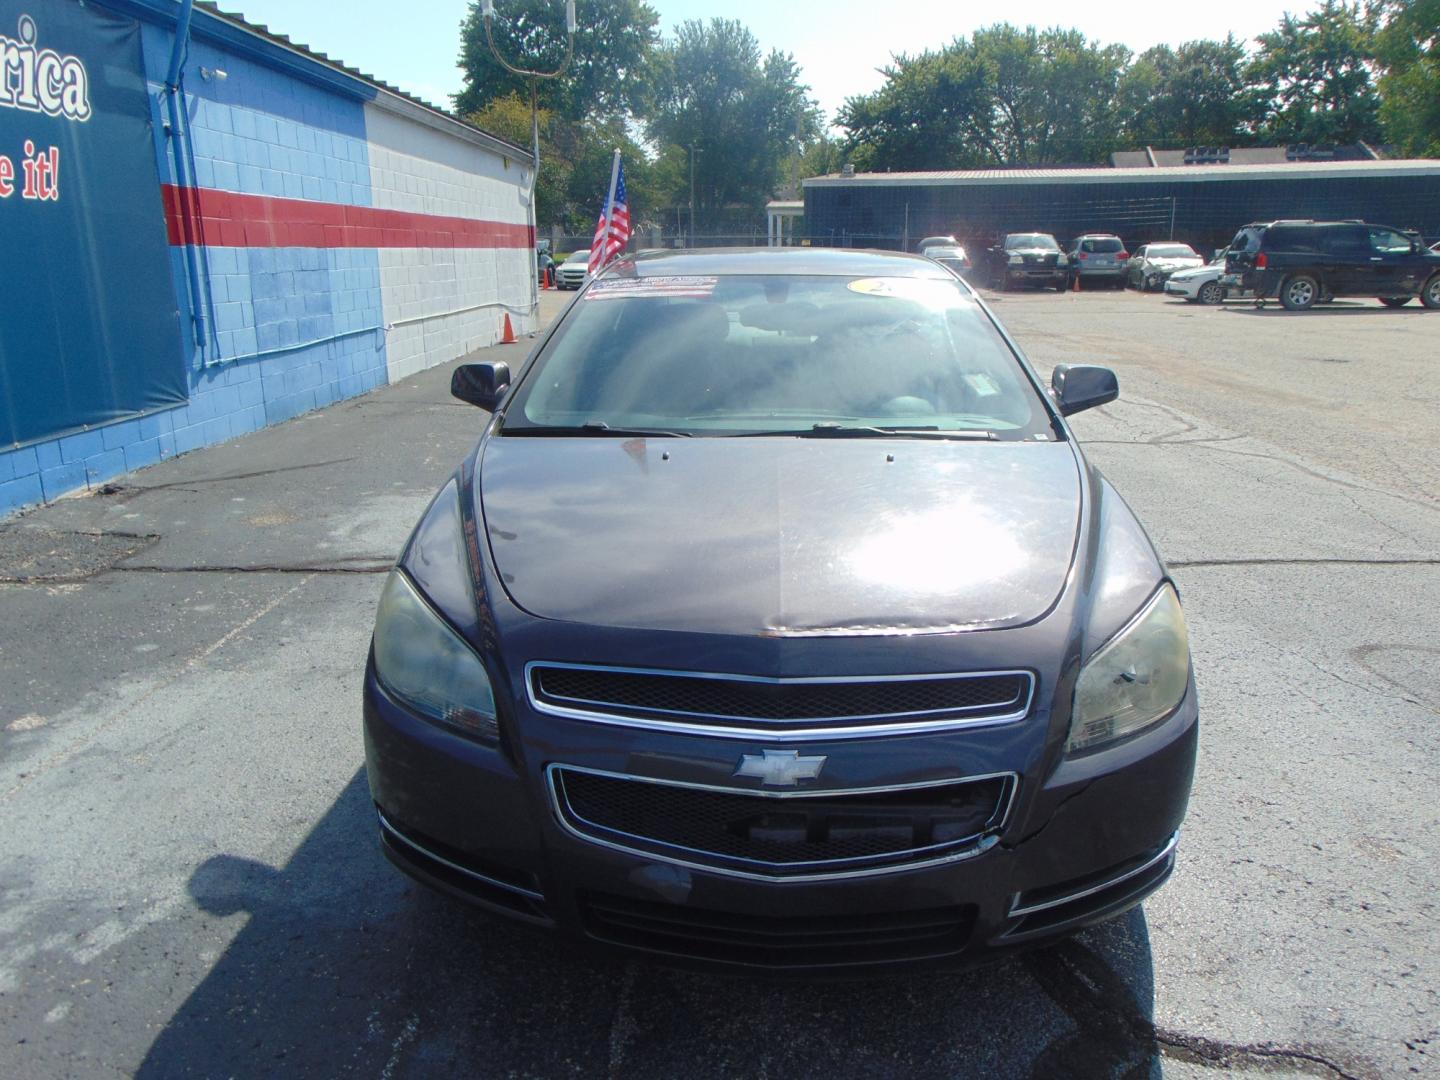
(1031, 251)
(1194, 272)
(781, 536)
(1176, 264)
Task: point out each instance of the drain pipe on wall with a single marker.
(184, 179)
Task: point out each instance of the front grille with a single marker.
(773, 835)
(776, 704)
(775, 941)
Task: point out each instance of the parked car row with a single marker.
(1300, 263)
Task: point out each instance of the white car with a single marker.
(937, 241)
(1151, 266)
(572, 272)
(1200, 284)
(952, 257)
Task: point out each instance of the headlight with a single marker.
(1063, 261)
(426, 664)
(1137, 679)
(1017, 258)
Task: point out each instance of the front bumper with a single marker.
(1185, 288)
(1078, 846)
(1029, 272)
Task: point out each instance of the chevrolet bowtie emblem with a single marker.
(780, 768)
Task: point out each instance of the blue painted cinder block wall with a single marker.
(293, 329)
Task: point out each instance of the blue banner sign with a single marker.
(89, 328)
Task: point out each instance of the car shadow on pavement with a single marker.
(1273, 309)
(346, 967)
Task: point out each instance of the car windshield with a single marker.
(1170, 251)
(578, 257)
(1031, 240)
(762, 354)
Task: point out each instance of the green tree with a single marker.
(1407, 46)
(819, 157)
(1194, 95)
(745, 114)
(1312, 77)
(575, 160)
(613, 44)
(933, 112)
(1005, 96)
(509, 118)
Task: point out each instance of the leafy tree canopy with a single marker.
(613, 43)
(1312, 77)
(1194, 95)
(1407, 46)
(744, 113)
(1003, 96)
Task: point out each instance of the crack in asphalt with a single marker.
(1112, 1036)
(1193, 564)
(1171, 438)
(1215, 1054)
(362, 564)
(196, 659)
(1361, 655)
(128, 490)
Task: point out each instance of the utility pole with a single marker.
(487, 11)
(693, 152)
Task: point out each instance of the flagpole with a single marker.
(610, 208)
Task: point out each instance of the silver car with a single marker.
(1099, 258)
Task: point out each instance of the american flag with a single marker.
(611, 239)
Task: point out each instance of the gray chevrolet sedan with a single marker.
(777, 621)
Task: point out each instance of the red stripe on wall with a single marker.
(229, 219)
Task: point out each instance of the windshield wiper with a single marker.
(832, 430)
(600, 427)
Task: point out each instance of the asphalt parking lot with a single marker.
(191, 884)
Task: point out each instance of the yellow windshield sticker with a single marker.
(922, 290)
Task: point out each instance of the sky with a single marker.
(839, 44)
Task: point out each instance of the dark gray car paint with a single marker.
(781, 535)
(1072, 814)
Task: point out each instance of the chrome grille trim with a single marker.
(1159, 857)
(984, 843)
(828, 727)
(395, 834)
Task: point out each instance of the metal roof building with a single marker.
(1200, 204)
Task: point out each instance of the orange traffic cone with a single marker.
(1075, 285)
(509, 336)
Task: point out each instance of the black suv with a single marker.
(1303, 262)
(1029, 258)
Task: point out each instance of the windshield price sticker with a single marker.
(924, 290)
(698, 288)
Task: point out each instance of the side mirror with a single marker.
(481, 384)
(1082, 386)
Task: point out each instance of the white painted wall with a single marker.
(441, 303)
